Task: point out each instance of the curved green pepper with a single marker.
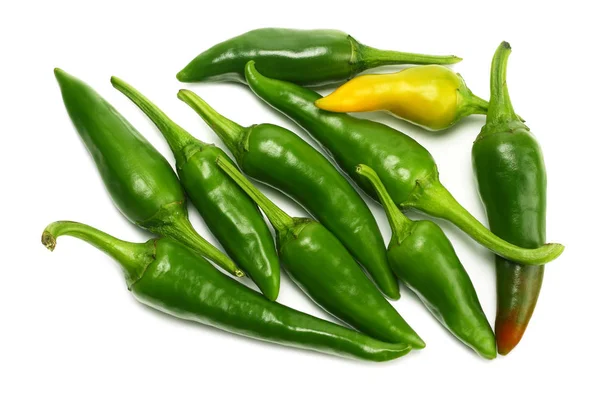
(167, 276)
(405, 167)
(322, 267)
(139, 179)
(510, 171)
(305, 57)
(229, 213)
(281, 159)
(424, 259)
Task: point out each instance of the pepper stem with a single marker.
(400, 224)
(437, 201)
(473, 105)
(500, 108)
(180, 228)
(175, 135)
(278, 218)
(228, 131)
(371, 57)
(133, 257)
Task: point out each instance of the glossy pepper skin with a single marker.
(322, 267)
(511, 175)
(167, 276)
(405, 167)
(305, 57)
(139, 179)
(229, 213)
(281, 159)
(431, 96)
(425, 261)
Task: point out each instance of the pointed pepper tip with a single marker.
(60, 74)
(182, 76)
(418, 343)
(508, 336)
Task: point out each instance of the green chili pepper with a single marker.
(167, 276)
(227, 210)
(322, 267)
(139, 179)
(510, 171)
(405, 167)
(305, 57)
(424, 259)
(281, 159)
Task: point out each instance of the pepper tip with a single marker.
(555, 250)
(182, 76)
(486, 346)
(508, 336)
(271, 292)
(59, 73)
(250, 67)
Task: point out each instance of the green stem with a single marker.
(279, 219)
(400, 224)
(437, 201)
(180, 228)
(228, 131)
(176, 136)
(500, 109)
(371, 57)
(475, 105)
(133, 257)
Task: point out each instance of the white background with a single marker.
(71, 330)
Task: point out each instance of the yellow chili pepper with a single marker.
(431, 96)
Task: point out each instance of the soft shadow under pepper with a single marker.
(167, 276)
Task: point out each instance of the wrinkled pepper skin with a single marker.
(305, 57)
(169, 277)
(229, 213)
(322, 267)
(405, 167)
(424, 259)
(431, 96)
(281, 159)
(511, 175)
(138, 178)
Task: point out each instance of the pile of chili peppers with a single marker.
(337, 256)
